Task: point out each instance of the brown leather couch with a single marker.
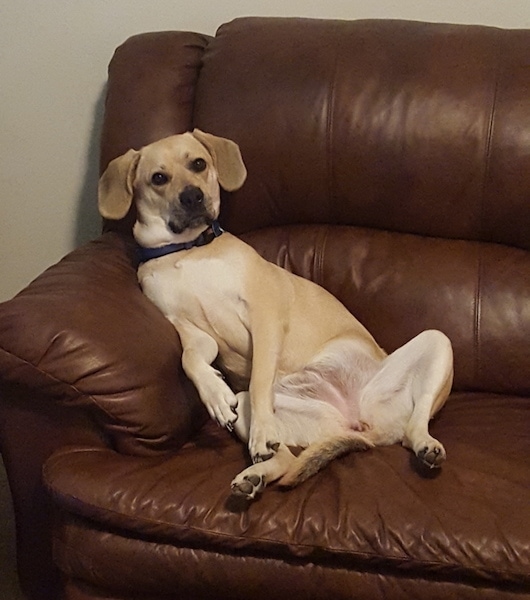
(389, 162)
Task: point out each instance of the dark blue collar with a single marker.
(207, 236)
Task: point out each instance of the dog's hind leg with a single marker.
(410, 387)
(253, 479)
(432, 381)
(305, 423)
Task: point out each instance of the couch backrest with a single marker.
(404, 126)
(400, 151)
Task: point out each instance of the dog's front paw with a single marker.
(224, 411)
(220, 402)
(431, 454)
(247, 486)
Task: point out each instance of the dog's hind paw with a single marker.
(247, 486)
(432, 455)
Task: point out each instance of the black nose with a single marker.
(191, 197)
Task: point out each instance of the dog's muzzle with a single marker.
(192, 210)
(192, 199)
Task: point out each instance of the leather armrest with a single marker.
(83, 334)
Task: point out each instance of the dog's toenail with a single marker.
(262, 457)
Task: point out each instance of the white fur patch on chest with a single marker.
(205, 292)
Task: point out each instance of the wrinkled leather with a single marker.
(388, 161)
(370, 511)
(84, 334)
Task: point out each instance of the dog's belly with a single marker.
(308, 386)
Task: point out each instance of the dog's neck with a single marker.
(206, 237)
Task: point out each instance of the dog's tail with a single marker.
(316, 456)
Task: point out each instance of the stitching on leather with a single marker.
(320, 251)
(482, 214)
(478, 318)
(320, 242)
(329, 132)
(489, 138)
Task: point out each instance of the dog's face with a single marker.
(175, 184)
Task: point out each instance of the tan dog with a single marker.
(303, 371)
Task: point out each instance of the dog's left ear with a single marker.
(227, 159)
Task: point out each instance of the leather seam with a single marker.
(482, 220)
(329, 134)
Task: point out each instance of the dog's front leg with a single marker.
(199, 352)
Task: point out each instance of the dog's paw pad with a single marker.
(432, 455)
(248, 486)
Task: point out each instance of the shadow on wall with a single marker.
(88, 221)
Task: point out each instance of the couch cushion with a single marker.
(371, 511)
(399, 125)
(84, 335)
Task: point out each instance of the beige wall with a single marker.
(53, 60)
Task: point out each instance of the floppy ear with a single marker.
(227, 159)
(115, 188)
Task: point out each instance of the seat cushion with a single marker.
(370, 512)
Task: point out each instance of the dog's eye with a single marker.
(198, 165)
(159, 179)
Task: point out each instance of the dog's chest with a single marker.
(206, 292)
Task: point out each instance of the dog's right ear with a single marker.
(115, 188)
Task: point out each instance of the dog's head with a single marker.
(175, 184)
